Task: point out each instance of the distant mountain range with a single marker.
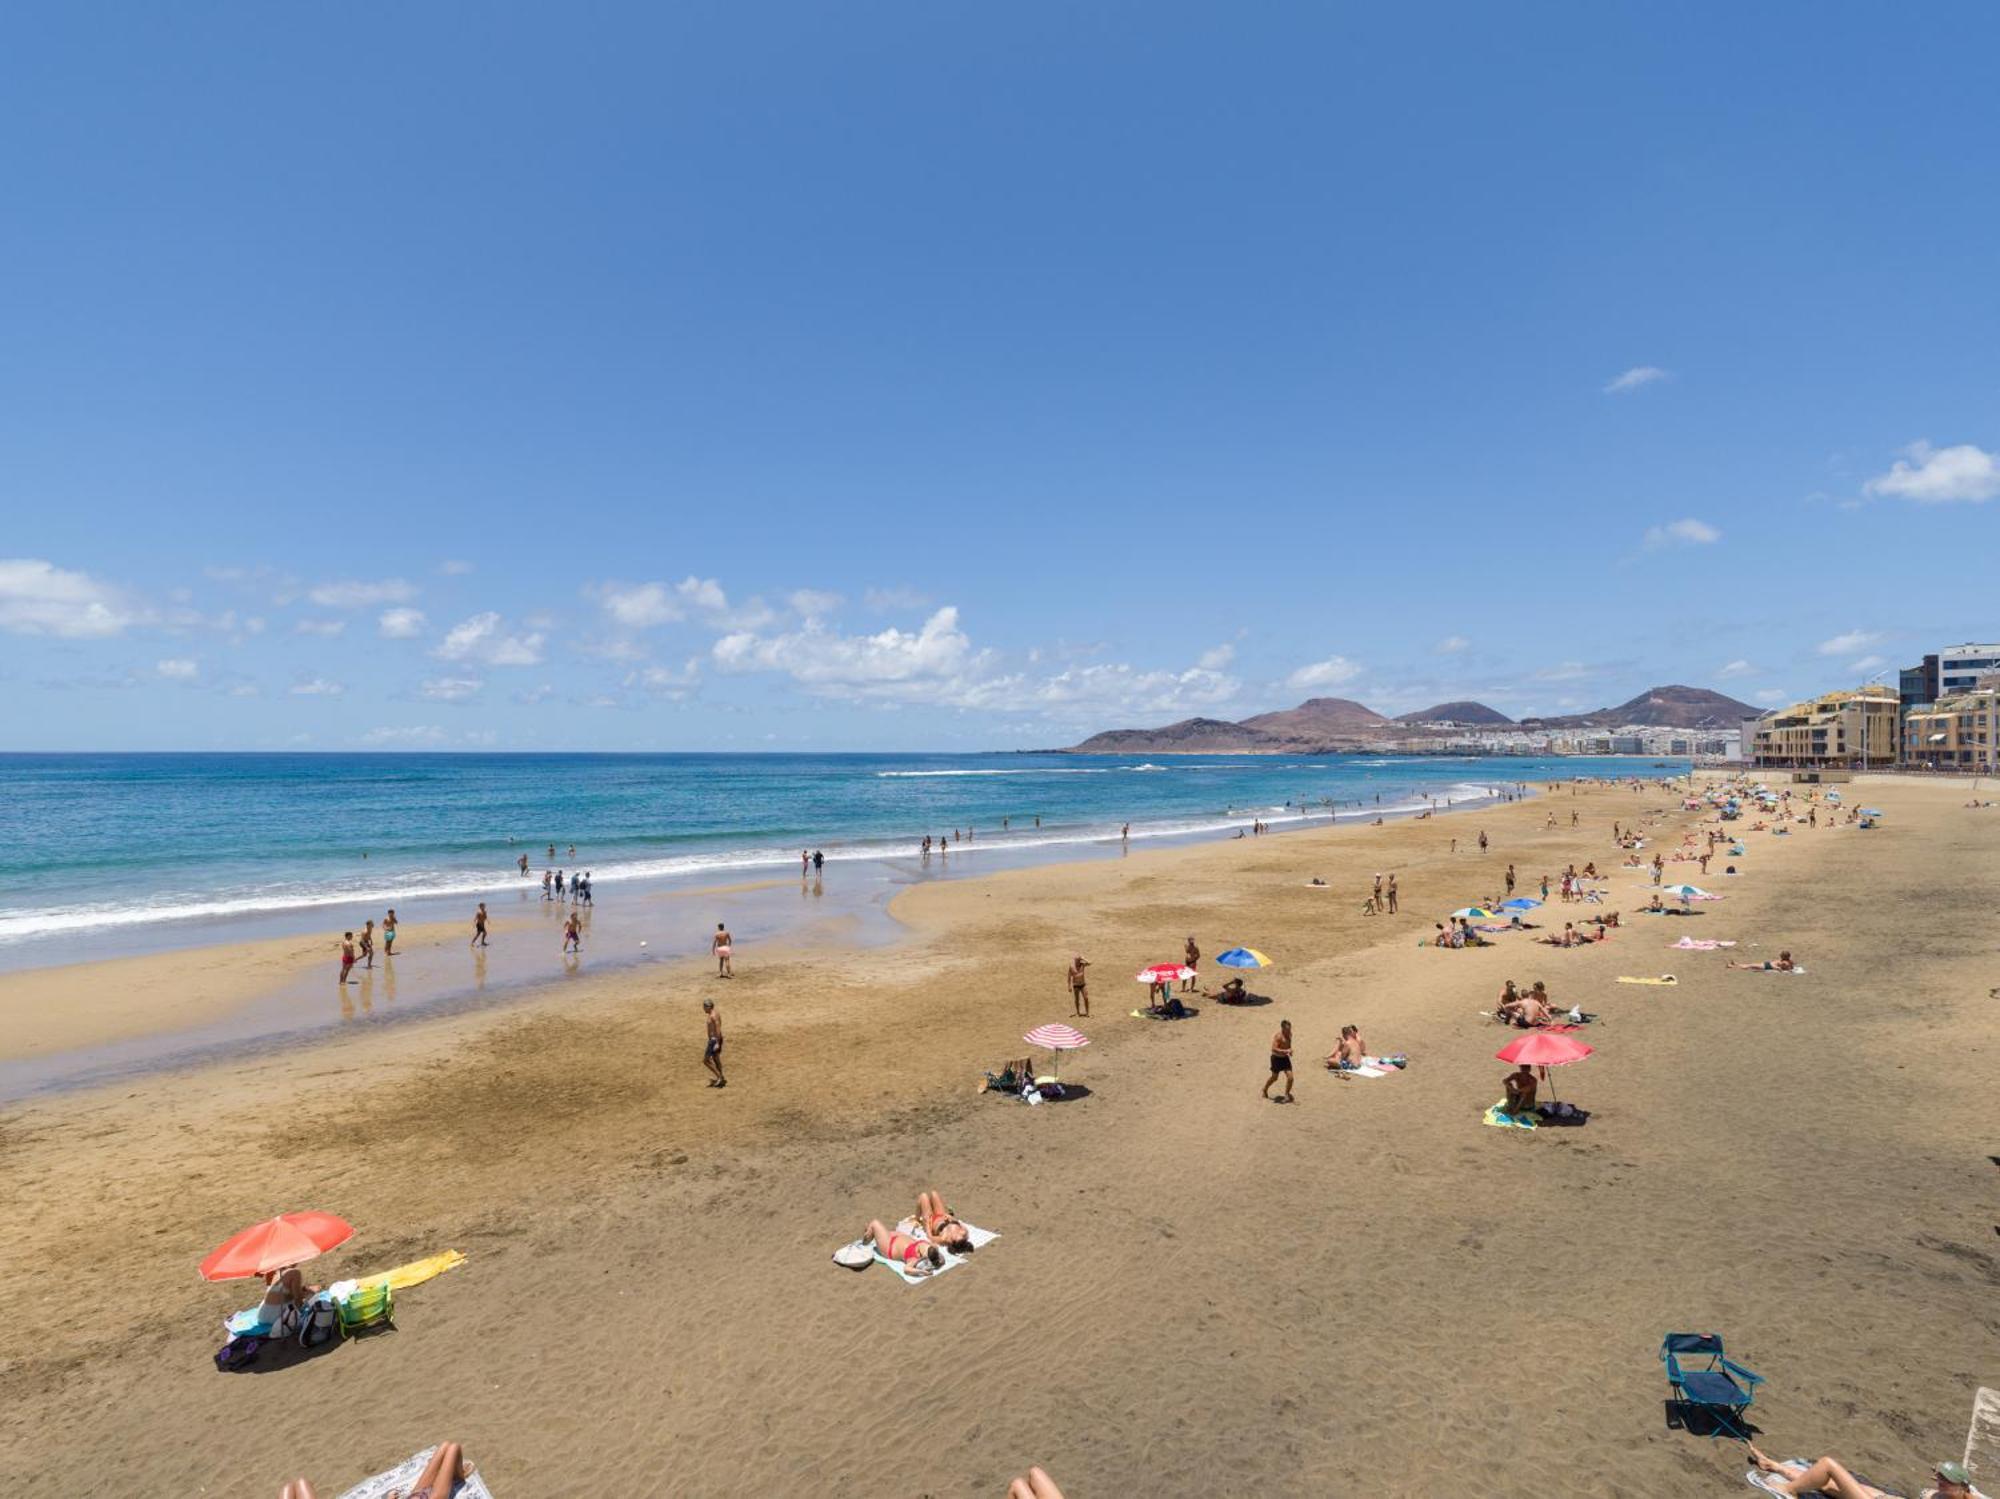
(1326, 725)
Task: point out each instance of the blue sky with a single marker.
(934, 377)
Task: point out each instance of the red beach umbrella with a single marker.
(1058, 1039)
(1543, 1049)
(276, 1244)
(1165, 973)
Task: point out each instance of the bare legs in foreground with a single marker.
(1824, 1477)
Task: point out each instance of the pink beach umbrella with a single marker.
(1058, 1039)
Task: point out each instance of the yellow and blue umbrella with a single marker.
(1243, 957)
(1474, 913)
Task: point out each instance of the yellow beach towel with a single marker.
(1665, 978)
(415, 1273)
(1499, 1118)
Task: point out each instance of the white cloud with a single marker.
(1636, 378)
(1331, 672)
(1736, 668)
(827, 661)
(642, 606)
(179, 669)
(664, 681)
(1848, 644)
(1092, 692)
(401, 624)
(1770, 695)
(1689, 532)
(351, 594)
(1933, 476)
(883, 600)
(815, 603)
(410, 738)
(1869, 663)
(317, 687)
(451, 689)
(1217, 658)
(1451, 645)
(39, 598)
(326, 627)
(1567, 671)
(481, 638)
(532, 695)
(451, 567)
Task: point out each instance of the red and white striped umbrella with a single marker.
(1165, 973)
(1058, 1039)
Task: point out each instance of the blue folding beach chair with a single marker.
(1721, 1387)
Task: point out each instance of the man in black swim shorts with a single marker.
(1281, 1060)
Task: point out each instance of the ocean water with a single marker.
(125, 852)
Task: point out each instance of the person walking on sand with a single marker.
(1510, 879)
(711, 1056)
(346, 955)
(478, 927)
(721, 945)
(572, 935)
(1193, 959)
(368, 942)
(1392, 894)
(1482, 840)
(1079, 986)
(389, 934)
(1281, 1061)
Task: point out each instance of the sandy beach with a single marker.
(1194, 1291)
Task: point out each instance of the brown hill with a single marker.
(1672, 707)
(1190, 736)
(1317, 719)
(1458, 712)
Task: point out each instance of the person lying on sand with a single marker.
(917, 1256)
(1520, 1085)
(1232, 992)
(940, 1222)
(1827, 1476)
(1781, 964)
(446, 1470)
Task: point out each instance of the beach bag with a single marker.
(319, 1324)
(239, 1352)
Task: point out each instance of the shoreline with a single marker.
(78, 1023)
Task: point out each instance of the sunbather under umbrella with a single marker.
(276, 1244)
(1544, 1049)
(1057, 1039)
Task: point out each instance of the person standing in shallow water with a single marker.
(723, 948)
(389, 934)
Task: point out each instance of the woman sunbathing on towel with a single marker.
(1783, 964)
(939, 1221)
(1828, 1477)
(917, 1256)
(446, 1470)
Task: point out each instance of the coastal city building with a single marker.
(1857, 730)
(1959, 667)
(1960, 731)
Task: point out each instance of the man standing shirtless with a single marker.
(1193, 960)
(1281, 1060)
(1079, 986)
(722, 945)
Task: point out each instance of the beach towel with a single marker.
(1499, 1118)
(1665, 978)
(978, 1238)
(1982, 1439)
(1373, 1067)
(413, 1274)
(1700, 944)
(1797, 968)
(404, 1475)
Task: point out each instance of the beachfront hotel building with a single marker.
(1857, 730)
(1960, 731)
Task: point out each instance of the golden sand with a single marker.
(1195, 1291)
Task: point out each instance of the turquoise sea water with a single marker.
(124, 852)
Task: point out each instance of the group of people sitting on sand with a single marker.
(1569, 936)
(1532, 1010)
(935, 1232)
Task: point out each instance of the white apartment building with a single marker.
(1961, 666)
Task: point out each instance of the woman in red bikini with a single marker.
(916, 1256)
(940, 1222)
